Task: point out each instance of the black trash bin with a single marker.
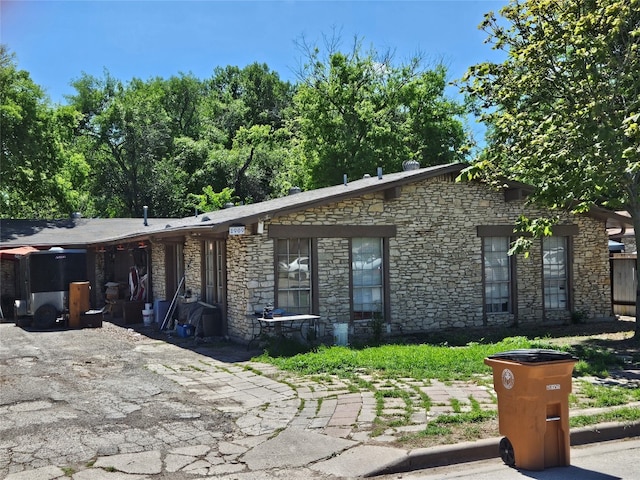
(212, 321)
(533, 389)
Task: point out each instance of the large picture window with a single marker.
(294, 273)
(497, 274)
(367, 277)
(554, 268)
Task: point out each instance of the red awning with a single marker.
(10, 253)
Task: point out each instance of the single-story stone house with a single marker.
(412, 251)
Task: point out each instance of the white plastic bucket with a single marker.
(147, 316)
(341, 334)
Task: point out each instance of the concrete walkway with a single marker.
(293, 427)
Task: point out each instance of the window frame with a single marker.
(564, 279)
(311, 274)
(383, 286)
(510, 282)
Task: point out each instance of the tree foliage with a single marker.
(563, 107)
(39, 175)
(180, 144)
(357, 111)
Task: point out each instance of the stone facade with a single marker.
(158, 272)
(435, 277)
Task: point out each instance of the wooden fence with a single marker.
(624, 283)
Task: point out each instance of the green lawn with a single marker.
(420, 361)
(382, 368)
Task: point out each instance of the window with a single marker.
(367, 277)
(294, 274)
(554, 268)
(497, 274)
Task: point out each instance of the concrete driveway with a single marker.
(111, 403)
(114, 403)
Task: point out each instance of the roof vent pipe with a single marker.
(145, 209)
(379, 173)
(344, 179)
(410, 165)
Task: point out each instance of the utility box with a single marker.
(533, 389)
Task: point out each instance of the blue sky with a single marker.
(57, 40)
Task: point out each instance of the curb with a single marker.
(423, 458)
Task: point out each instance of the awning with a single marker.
(11, 253)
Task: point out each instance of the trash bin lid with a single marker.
(534, 356)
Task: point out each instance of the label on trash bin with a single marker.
(508, 379)
(553, 386)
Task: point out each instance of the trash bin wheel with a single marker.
(45, 316)
(506, 452)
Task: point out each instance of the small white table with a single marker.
(282, 325)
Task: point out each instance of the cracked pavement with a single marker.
(114, 403)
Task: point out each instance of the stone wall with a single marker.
(246, 283)
(158, 272)
(591, 270)
(435, 276)
(193, 266)
(99, 289)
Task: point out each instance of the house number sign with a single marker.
(236, 230)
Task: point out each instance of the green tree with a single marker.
(245, 97)
(130, 133)
(563, 107)
(182, 100)
(245, 124)
(356, 111)
(40, 177)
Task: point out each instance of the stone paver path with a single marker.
(269, 400)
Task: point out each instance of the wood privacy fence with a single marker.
(624, 283)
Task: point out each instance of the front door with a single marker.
(215, 276)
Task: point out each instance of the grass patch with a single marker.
(594, 361)
(422, 361)
(605, 395)
(625, 414)
(68, 471)
(474, 416)
(452, 428)
(436, 430)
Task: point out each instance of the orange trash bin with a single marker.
(533, 389)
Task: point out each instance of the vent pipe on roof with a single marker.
(145, 209)
(344, 179)
(379, 173)
(410, 165)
